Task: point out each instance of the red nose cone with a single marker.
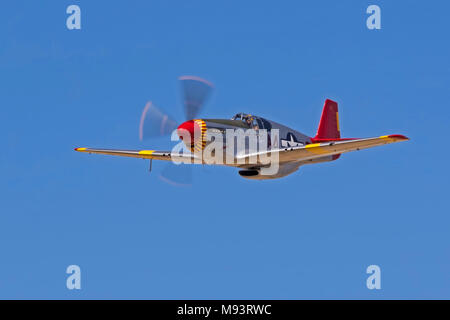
(188, 130)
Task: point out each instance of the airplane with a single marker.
(291, 147)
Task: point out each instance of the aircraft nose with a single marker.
(189, 130)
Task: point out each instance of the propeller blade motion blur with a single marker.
(195, 93)
(177, 175)
(155, 123)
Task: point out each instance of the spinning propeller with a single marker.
(157, 123)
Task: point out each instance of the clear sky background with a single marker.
(309, 235)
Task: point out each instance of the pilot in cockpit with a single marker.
(248, 120)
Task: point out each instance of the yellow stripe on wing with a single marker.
(315, 148)
(146, 152)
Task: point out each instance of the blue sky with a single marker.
(310, 235)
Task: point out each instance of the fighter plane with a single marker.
(291, 147)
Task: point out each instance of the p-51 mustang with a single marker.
(289, 148)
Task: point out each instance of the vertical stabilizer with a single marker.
(329, 122)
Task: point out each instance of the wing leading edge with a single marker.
(142, 154)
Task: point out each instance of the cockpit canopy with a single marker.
(251, 121)
(241, 116)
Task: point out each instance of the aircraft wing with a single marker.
(293, 154)
(143, 154)
(320, 150)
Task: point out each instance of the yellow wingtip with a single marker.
(395, 137)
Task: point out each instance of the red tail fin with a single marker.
(329, 122)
